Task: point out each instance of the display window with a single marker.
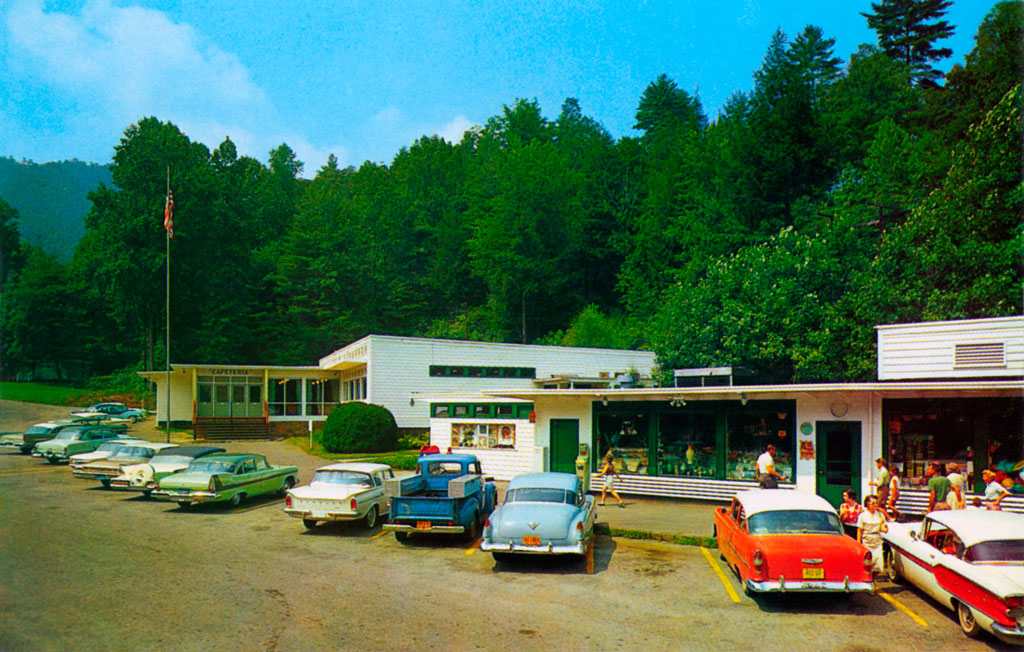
(484, 435)
(687, 445)
(974, 433)
(629, 435)
(750, 431)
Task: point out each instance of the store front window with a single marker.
(229, 395)
(687, 445)
(749, 432)
(628, 434)
(483, 435)
(975, 433)
(321, 395)
(285, 398)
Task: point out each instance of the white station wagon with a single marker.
(347, 491)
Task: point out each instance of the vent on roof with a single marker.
(979, 355)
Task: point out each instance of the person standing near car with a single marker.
(955, 497)
(606, 471)
(882, 481)
(938, 485)
(849, 512)
(871, 524)
(767, 476)
(994, 492)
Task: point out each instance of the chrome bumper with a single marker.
(782, 585)
(1005, 634)
(191, 497)
(126, 485)
(543, 549)
(442, 529)
(328, 516)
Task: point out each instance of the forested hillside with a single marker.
(832, 197)
(51, 200)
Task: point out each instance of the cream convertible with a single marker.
(341, 492)
(969, 560)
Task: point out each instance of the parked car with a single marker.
(105, 450)
(73, 440)
(144, 477)
(108, 469)
(341, 492)
(787, 541)
(971, 561)
(26, 441)
(543, 513)
(113, 411)
(225, 477)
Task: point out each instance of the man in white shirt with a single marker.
(767, 476)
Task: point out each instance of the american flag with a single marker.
(169, 214)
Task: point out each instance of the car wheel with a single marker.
(309, 523)
(184, 504)
(471, 530)
(105, 482)
(967, 621)
(371, 517)
(236, 500)
(25, 451)
(51, 460)
(889, 563)
(288, 483)
(146, 493)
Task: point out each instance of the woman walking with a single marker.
(871, 524)
(607, 471)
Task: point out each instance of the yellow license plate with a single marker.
(814, 573)
(422, 525)
(531, 541)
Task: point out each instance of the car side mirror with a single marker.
(913, 535)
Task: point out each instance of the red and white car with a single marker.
(971, 561)
(785, 541)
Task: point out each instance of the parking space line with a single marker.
(260, 506)
(379, 534)
(476, 544)
(899, 605)
(718, 571)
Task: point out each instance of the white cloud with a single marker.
(453, 131)
(120, 64)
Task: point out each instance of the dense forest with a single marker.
(51, 199)
(832, 197)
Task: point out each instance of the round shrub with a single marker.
(359, 428)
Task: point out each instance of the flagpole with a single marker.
(167, 312)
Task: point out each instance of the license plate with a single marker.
(531, 541)
(118, 483)
(814, 573)
(422, 525)
(318, 514)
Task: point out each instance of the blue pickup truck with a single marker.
(448, 494)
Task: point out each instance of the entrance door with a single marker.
(565, 444)
(837, 458)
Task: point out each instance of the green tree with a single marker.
(908, 30)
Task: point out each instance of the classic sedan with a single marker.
(112, 411)
(144, 477)
(224, 477)
(128, 454)
(73, 440)
(971, 561)
(783, 541)
(341, 492)
(105, 450)
(543, 513)
(26, 441)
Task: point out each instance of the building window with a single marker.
(628, 434)
(284, 399)
(321, 395)
(483, 435)
(440, 411)
(688, 445)
(462, 371)
(750, 430)
(354, 389)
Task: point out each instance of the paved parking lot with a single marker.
(90, 569)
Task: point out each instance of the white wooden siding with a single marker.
(501, 463)
(398, 369)
(929, 350)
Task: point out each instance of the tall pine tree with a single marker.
(908, 30)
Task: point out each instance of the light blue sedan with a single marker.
(543, 513)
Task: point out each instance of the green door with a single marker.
(565, 444)
(837, 459)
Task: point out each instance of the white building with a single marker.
(951, 392)
(384, 370)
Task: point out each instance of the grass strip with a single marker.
(682, 540)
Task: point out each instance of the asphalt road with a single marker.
(82, 568)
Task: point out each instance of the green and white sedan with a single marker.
(73, 440)
(226, 478)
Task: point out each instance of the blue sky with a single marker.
(361, 79)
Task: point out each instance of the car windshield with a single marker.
(996, 552)
(342, 477)
(171, 459)
(106, 447)
(537, 495)
(68, 434)
(795, 521)
(126, 452)
(211, 466)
